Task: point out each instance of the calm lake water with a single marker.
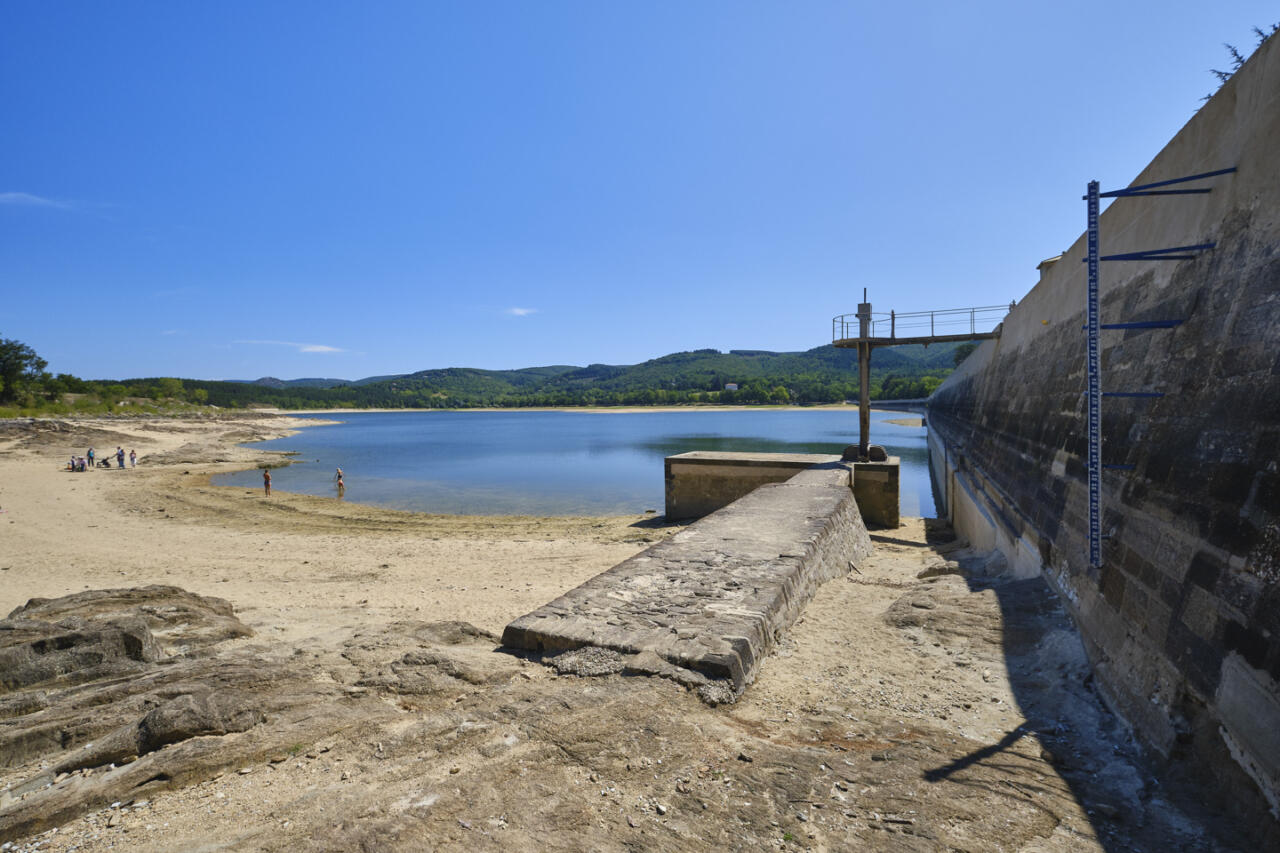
(561, 462)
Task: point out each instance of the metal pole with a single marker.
(864, 377)
(893, 325)
(1094, 387)
(864, 400)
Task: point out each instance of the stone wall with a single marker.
(1183, 619)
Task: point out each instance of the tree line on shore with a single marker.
(699, 377)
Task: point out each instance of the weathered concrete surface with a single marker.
(700, 482)
(1183, 620)
(875, 488)
(712, 599)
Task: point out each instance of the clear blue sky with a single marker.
(234, 189)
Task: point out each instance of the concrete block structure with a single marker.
(876, 489)
(699, 483)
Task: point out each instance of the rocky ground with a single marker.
(948, 712)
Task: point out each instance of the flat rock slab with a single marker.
(111, 696)
(713, 598)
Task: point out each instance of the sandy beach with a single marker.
(291, 564)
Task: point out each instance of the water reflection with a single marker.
(669, 445)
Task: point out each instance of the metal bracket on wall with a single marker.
(1133, 393)
(1093, 326)
(1141, 324)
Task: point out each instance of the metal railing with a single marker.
(921, 324)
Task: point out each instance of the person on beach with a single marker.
(338, 476)
(266, 481)
(89, 457)
(119, 457)
(133, 459)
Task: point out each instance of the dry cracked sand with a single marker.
(300, 673)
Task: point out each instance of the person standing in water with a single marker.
(266, 481)
(342, 487)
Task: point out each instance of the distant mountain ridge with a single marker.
(822, 374)
(912, 356)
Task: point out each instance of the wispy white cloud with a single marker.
(29, 200)
(298, 346)
(521, 312)
(172, 332)
(182, 290)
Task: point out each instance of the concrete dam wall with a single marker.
(1182, 621)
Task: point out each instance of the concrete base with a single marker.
(875, 488)
(699, 483)
(712, 599)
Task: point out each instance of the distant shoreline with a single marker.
(884, 406)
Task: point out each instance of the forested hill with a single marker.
(821, 375)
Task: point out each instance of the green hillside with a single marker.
(821, 375)
(699, 377)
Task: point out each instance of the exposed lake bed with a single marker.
(396, 723)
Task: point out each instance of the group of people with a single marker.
(86, 462)
(266, 482)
